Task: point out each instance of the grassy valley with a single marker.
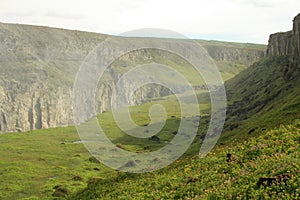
(35, 163)
(53, 163)
(256, 157)
(48, 163)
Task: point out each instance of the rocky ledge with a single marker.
(286, 43)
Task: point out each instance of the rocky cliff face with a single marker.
(38, 66)
(286, 43)
(37, 69)
(238, 55)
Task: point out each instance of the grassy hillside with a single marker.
(264, 167)
(263, 96)
(263, 102)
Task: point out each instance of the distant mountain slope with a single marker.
(37, 70)
(38, 66)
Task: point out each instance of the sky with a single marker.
(228, 20)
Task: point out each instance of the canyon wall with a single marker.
(238, 55)
(38, 66)
(286, 43)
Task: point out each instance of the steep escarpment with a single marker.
(38, 66)
(233, 54)
(37, 69)
(286, 43)
(267, 93)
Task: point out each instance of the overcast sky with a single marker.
(229, 20)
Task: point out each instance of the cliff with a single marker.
(286, 43)
(267, 93)
(233, 54)
(38, 66)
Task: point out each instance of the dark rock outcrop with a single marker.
(154, 138)
(60, 191)
(286, 43)
(269, 181)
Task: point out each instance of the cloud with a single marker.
(257, 3)
(234, 20)
(132, 4)
(65, 15)
(50, 14)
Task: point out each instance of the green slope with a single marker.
(274, 155)
(263, 96)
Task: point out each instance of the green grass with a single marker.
(271, 154)
(140, 116)
(263, 96)
(32, 163)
